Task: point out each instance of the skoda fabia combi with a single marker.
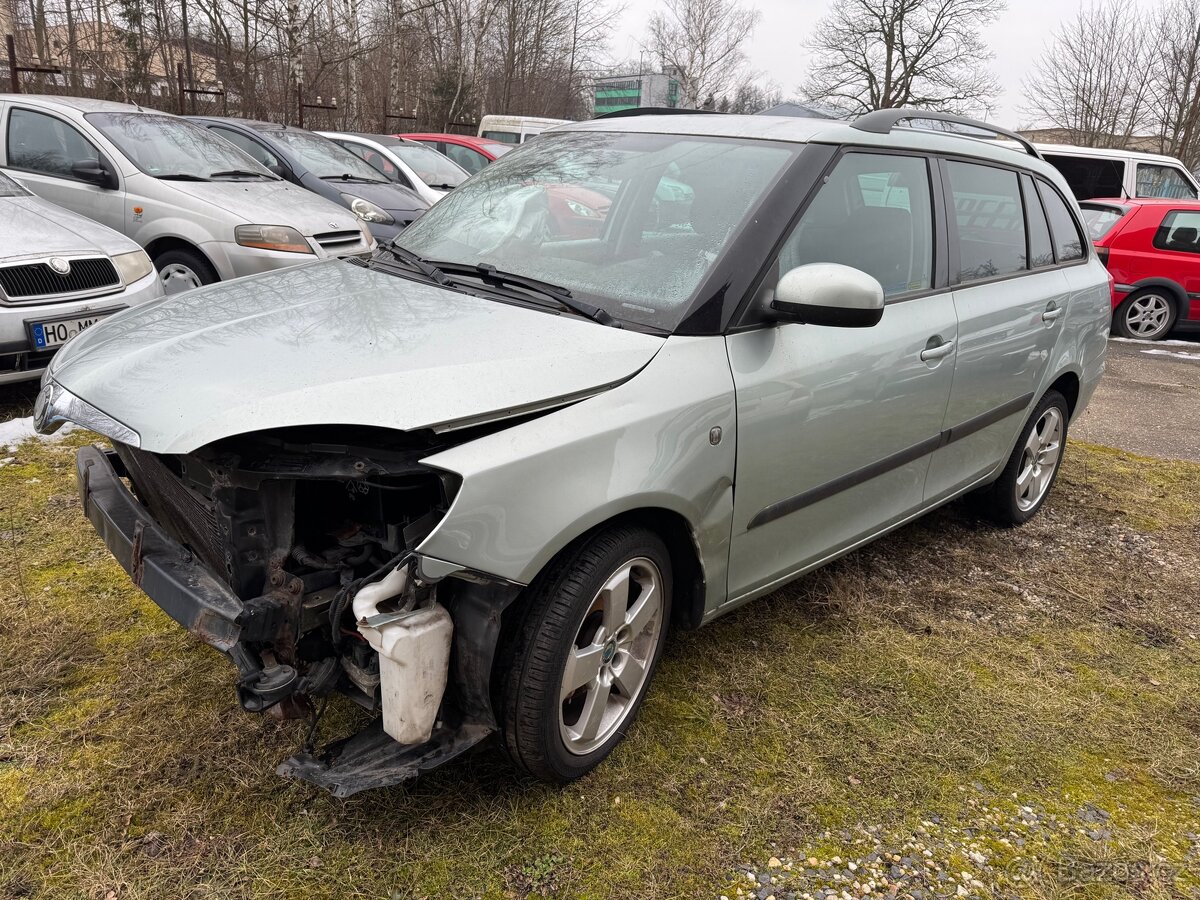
(475, 482)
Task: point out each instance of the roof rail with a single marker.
(882, 121)
(653, 111)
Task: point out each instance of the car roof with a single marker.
(468, 139)
(801, 130)
(80, 104)
(1104, 153)
(1144, 201)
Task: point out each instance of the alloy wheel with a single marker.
(608, 663)
(1148, 316)
(1043, 450)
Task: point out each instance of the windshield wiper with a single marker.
(233, 173)
(180, 176)
(428, 269)
(357, 179)
(493, 277)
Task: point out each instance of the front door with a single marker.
(42, 149)
(836, 425)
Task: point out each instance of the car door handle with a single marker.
(941, 350)
(1051, 314)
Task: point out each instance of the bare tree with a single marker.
(1099, 98)
(702, 41)
(1174, 102)
(882, 54)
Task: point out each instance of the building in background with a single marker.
(618, 92)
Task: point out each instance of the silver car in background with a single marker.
(417, 166)
(475, 482)
(59, 274)
(203, 210)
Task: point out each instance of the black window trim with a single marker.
(101, 155)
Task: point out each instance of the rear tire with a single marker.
(579, 661)
(1147, 315)
(182, 270)
(1016, 496)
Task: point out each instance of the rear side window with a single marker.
(1099, 220)
(41, 143)
(1163, 181)
(991, 228)
(1041, 248)
(873, 214)
(469, 159)
(1089, 177)
(260, 153)
(1180, 231)
(1068, 242)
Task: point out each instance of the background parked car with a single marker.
(306, 159)
(59, 274)
(418, 167)
(1152, 250)
(515, 129)
(203, 210)
(1120, 173)
(471, 153)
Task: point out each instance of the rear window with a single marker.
(1090, 177)
(1179, 231)
(1099, 220)
(991, 227)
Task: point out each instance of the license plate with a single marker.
(54, 334)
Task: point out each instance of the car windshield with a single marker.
(323, 157)
(431, 167)
(169, 147)
(9, 188)
(1100, 219)
(630, 223)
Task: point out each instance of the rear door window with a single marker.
(873, 214)
(471, 160)
(256, 150)
(1068, 241)
(1155, 180)
(1089, 177)
(989, 220)
(1179, 231)
(1041, 247)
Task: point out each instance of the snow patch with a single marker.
(15, 431)
(1170, 343)
(1175, 353)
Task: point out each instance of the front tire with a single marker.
(584, 652)
(1015, 497)
(1146, 316)
(182, 270)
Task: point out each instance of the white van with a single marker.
(515, 129)
(1120, 174)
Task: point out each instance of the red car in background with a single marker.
(1152, 250)
(472, 153)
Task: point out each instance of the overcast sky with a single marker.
(1017, 38)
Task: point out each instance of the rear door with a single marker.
(1010, 299)
(835, 425)
(40, 150)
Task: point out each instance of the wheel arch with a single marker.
(161, 245)
(1174, 288)
(1068, 384)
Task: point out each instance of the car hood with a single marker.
(272, 203)
(334, 343)
(389, 196)
(30, 226)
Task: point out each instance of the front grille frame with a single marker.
(32, 281)
(339, 241)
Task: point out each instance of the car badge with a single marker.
(333, 224)
(60, 266)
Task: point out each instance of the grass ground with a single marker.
(955, 693)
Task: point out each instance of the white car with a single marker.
(59, 274)
(420, 168)
(1120, 174)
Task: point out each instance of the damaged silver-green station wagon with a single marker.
(636, 373)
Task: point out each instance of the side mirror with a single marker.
(828, 294)
(278, 169)
(94, 172)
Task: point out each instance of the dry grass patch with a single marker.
(948, 662)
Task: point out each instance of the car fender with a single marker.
(665, 439)
(1174, 287)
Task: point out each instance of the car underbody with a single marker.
(258, 544)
